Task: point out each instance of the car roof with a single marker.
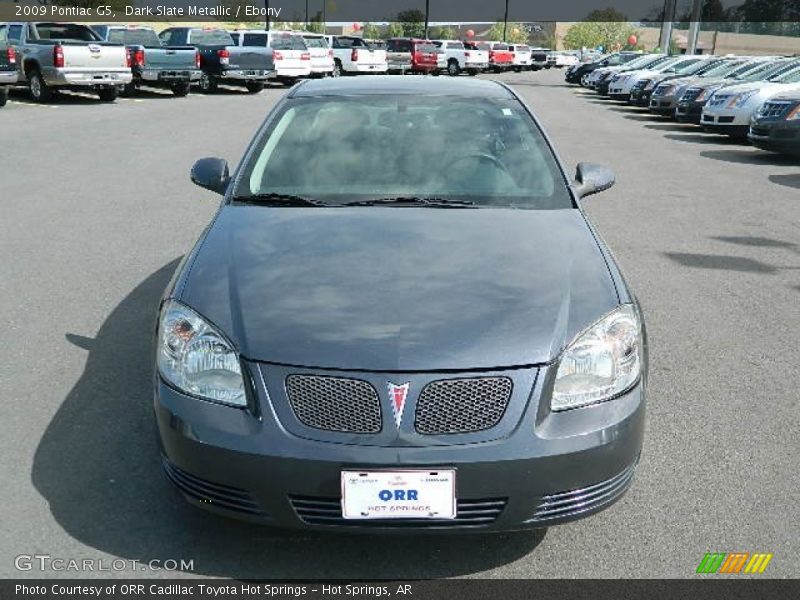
(411, 85)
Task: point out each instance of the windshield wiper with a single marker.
(412, 201)
(274, 199)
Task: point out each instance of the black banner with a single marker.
(706, 588)
(438, 11)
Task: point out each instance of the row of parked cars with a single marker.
(747, 97)
(114, 59)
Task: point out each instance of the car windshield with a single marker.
(727, 67)
(288, 42)
(644, 61)
(792, 76)
(485, 151)
(134, 37)
(66, 32)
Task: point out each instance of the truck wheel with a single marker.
(207, 84)
(3, 96)
(452, 68)
(517, 69)
(254, 87)
(128, 90)
(39, 90)
(337, 68)
(108, 94)
(180, 89)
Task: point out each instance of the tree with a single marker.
(371, 31)
(315, 24)
(395, 29)
(591, 34)
(516, 33)
(412, 22)
(443, 33)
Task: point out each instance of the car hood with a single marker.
(741, 88)
(399, 289)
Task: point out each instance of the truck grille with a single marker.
(328, 511)
(334, 403)
(462, 405)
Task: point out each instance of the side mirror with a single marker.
(592, 179)
(211, 174)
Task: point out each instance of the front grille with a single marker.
(775, 109)
(717, 100)
(334, 403)
(708, 118)
(569, 504)
(328, 511)
(462, 405)
(212, 494)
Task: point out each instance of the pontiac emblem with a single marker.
(397, 396)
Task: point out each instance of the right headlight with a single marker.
(602, 362)
(196, 358)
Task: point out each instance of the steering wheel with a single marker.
(480, 157)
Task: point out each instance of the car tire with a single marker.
(128, 90)
(452, 68)
(207, 84)
(517, 69)
(472, 72)
(254, 87)
(3, 96)
(180, 89)
(40, 91)
(337, 68)
(108, 94)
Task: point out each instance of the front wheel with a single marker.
(180, 89)
(3, 96)
(129, 89)
(254, 87)
(453, 69)
(337, 69)
(108, 94)
(40, 91)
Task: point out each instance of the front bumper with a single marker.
(663, 105)
(246, 75)
(689, 112)
(478, 66)
(374, 68)
(726, 122)
(776, 136)
(640, 97)
(534, 469)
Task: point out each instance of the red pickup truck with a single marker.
(501, 57)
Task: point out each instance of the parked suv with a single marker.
(321, 54)
(411, 55)
(776, 125)
(352, 54)
(576, 73)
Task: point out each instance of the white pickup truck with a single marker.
(458, 58)
(53, 56)
(352, 54)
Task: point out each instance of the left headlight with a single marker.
(196, 358)
(741, 99)
(602, 362)
(794, 114)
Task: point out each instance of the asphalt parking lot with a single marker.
(98, 208)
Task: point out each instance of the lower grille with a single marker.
(759, 131)
(462, 405)
(569, 504)
(334, 403)
(725, 120)
(328, 511)
(215, 494)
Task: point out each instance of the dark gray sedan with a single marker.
(400, 319)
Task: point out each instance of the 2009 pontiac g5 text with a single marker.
(400, 319)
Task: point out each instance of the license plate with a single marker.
(411, 494)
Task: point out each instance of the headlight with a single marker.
(740, 100)
(668, 90)
(600, 363)
(196, 358)
(701, 95)
(794, 114)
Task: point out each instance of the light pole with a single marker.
(505, 22)
(427, 9)
(266, 20)
(306, 14)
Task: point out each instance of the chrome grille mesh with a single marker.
(462, 405)
(690, 94)
(775, 109)
(334, 403)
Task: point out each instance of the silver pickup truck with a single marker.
(52, 56)
(8, 65)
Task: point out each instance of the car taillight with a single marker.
(305, 56)
(12, 56)
(197, 59)
(277, 55)
(58, 56)
(224, 56)
(128, 57)
(354, 55)
(467, 54)
(138, 58)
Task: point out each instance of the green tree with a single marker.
(443, 33)
(395, 29)
(591, 34)
(371, 31)
(516, 33)
(315, 24)
(412, 22)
